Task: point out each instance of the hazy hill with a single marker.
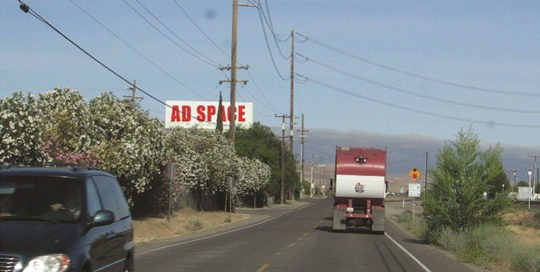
(404, 151)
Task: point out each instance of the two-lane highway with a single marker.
(301, 240)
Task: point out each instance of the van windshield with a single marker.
(55, 199)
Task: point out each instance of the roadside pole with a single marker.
(413, 209)
(529, 172)
(230, 196)
(172, 172)
(415, 189)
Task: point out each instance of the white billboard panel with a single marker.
(203, 114)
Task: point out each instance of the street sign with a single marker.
(415, 189)
(415, 174)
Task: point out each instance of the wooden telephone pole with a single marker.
(133, 89)
(233, 67)
(291, 125)
(282, 189)
(302, 141)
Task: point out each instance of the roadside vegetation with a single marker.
(59, 127)
(459, 217)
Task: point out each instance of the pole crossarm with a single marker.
(228, 67)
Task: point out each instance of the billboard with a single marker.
(203, 114)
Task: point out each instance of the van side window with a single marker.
(112, 196)
(92, 199)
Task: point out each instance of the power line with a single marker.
(489, 123)
(25, 8)
(261, 92)
(269, 20)
(209, 61)
(174, 33)
(200, 29)
(254, 109)
(268, 103)
(271, 27)
(412, 74)
(448, 101)
(137, 51)
(285, 78)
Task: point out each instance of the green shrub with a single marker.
(490, 245)
(405, 217)
(526, 259)
(418, 227)
(193, 225)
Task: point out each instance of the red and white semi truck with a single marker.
(360, 188)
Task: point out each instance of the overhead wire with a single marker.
(417, 94)
(413, 74)
(25, 8)
(256, 110)
(200, 29)
(269, 104)
(489, 123)
(271, 28)
(176, 35)
(136, 51)
(285, 78)
(209, 61)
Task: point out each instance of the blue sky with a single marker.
(487, 44)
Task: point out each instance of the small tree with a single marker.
(462, 176)
(219, 125)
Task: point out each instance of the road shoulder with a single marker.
(436, 259)
(255, 217)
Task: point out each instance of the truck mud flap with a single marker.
(339, 222)
(378, 221)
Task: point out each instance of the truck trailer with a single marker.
(359, 189)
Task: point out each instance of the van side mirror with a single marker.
(101, 218)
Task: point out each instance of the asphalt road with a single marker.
(295, 240)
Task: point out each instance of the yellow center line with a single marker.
(306, 234)
(263, 268)
(291, 245)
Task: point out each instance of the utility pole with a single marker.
(233, 67)
(133, 89)
(302, 137)
(311, 187)
(425, 174)
(282, 189)
(535, 175)
(232, 115)
(291, 128)
(515, 179)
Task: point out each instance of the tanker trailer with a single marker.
(360, 188)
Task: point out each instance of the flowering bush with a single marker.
(21, 130)
(61, 128)
(127, 143)
(205, 160)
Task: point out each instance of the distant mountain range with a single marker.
(404, 151)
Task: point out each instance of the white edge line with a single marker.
(408, 253)
(223, 233)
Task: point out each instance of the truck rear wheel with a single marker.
(339, 222)
(378, 224)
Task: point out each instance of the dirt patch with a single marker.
(181, 223)
(525, 225)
